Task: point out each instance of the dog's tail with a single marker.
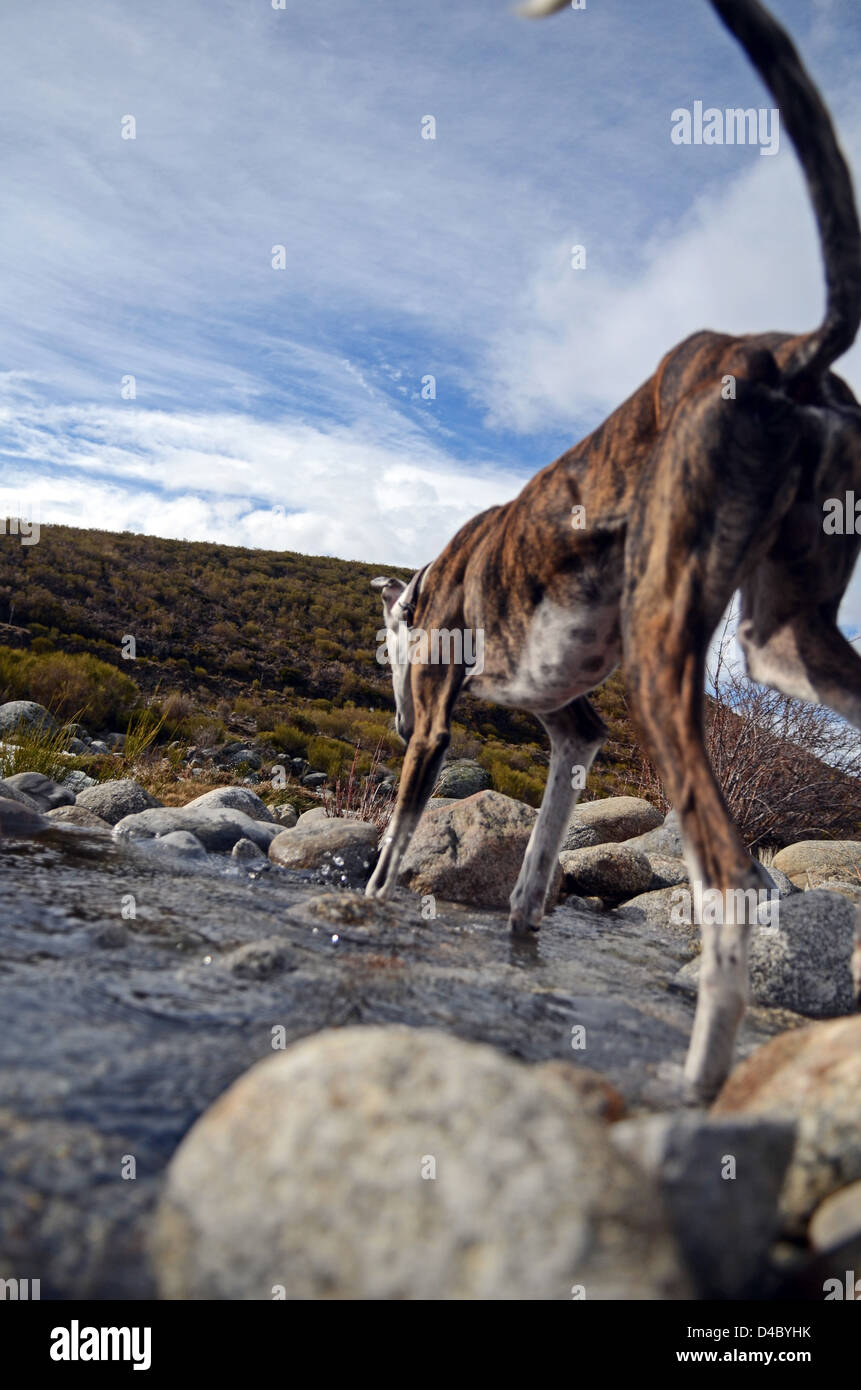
(828, 180)
(805, 116)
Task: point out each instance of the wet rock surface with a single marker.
(344, 850)
(135, 989)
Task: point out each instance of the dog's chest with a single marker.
(565, 652)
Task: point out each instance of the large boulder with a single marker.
(390, 1163)
(461, 778)
(471, 851)
(116, 799)
(344, 849)
(610, 871)
(811, 1076)
(720, 1180)
(217, 827)
(614, 818)
(803, 961)
(802, 957)
(235, 799)
(40, 789)
(25, 715)
(811, 862)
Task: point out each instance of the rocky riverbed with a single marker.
(141, 975)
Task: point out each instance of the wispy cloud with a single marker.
(259, 389)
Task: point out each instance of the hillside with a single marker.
(230, 641)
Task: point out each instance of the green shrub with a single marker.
(521, 785)
(329, 755)
(69, 685)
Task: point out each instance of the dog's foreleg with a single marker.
(435, 689)
(576, 733)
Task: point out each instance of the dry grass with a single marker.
(362, 798)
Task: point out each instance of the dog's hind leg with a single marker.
(721, 483)
(807, 659)
(576, 733)
(435, 689)
(788, 629)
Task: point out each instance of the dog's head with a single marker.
(398, 606)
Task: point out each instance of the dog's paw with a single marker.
(523, 923)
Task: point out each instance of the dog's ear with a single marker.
(391, 590)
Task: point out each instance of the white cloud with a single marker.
(744, 259)
(360, 493)
(259, 389)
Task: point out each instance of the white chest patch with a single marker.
(567, 653)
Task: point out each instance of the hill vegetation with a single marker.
(284, 641)
(194, 643)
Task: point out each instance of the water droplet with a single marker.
(335, 939)
(207, 960)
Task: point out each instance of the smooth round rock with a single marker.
(42, 790)
(813, 861)
(462, 777)
(391, 1163)
(235, 799)
(25, 714)
(346, 850)
(611, 871)
(617, 818)
(16, 819)
(470, 851)
(116, 799)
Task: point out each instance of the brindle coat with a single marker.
(691, 490)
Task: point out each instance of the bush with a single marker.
(290, 739)
(177, 709)
(71, 686)
(521, 785)
(329, 755)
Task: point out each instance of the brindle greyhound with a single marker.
(689, 495)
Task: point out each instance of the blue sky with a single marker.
(282, 408)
